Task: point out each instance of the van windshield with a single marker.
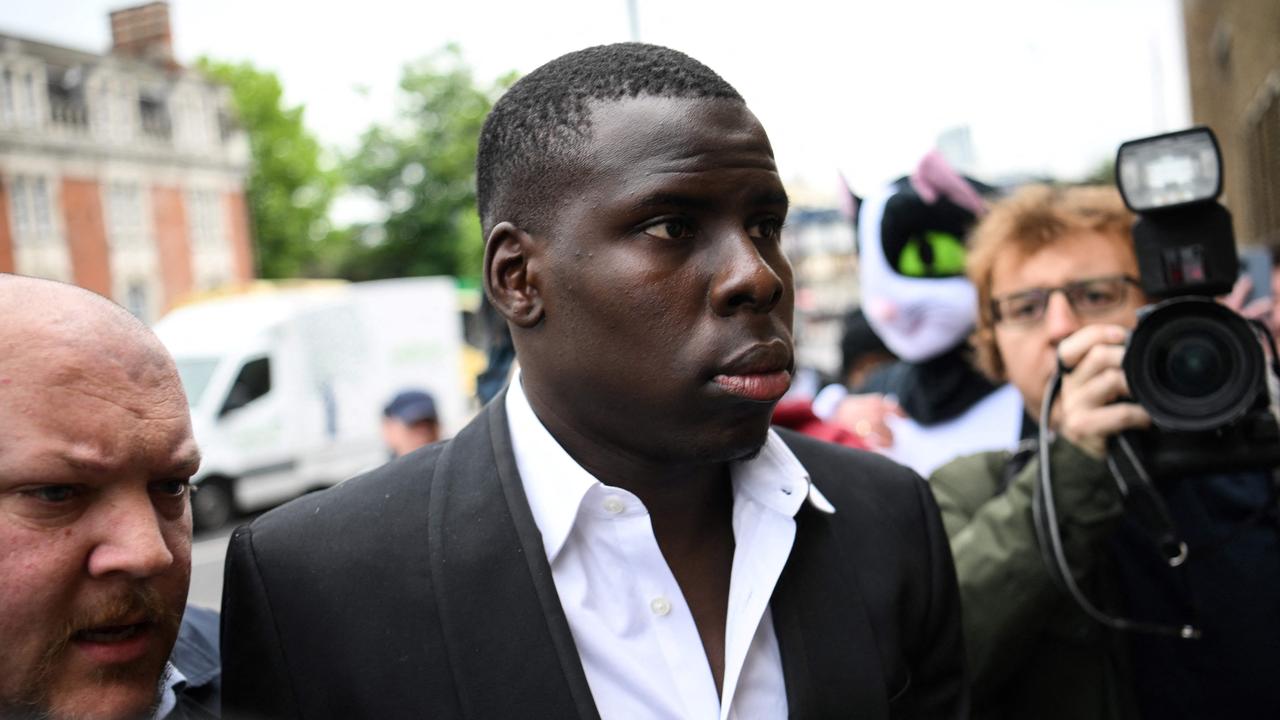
(195, 374)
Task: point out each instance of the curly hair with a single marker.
(1027, 221)
(534, 135)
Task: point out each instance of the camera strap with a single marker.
(1049, 534)
(1142, 501)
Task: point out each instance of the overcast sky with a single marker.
(1046, 86)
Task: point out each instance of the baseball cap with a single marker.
(411, 406)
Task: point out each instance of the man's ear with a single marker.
(510, 279)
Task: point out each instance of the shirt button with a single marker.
(613, 505)
(660, 606)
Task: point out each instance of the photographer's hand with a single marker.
(1258, 309)
(1087, 410)
(866, 415)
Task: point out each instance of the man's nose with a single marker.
(1060, 319)
(130, 539)
(748, 277)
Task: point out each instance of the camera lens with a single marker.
(1193, 364)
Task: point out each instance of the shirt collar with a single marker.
(555, 484)
(174, 680)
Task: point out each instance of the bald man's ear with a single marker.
(510, 275)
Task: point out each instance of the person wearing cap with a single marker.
(409, 422)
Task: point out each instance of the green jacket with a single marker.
(1032, 653)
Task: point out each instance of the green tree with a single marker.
(289, 187)
(421, 166)
(1104, 173)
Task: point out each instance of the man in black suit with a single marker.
(619, 534)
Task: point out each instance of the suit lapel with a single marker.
(830, 658)
(506, 635)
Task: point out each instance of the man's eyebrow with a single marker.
(772, 197)
(85, 463)
(669, 199)
(187, 464)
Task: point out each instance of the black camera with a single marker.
(1197, 366)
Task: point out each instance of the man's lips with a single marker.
(763, 387)
(116, 643)
(761, 372)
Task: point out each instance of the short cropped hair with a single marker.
(532, 137)
(1027, 221)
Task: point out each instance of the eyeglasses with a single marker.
(1091, 297)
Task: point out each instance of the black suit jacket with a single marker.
(422, 590)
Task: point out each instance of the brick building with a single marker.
(1233, 62)
(123, 173)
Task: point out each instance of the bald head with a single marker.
(54, 316)
(96, 452)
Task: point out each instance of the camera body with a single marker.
(1195, 365)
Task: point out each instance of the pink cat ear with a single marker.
(935, 177)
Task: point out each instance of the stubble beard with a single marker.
(39, 689)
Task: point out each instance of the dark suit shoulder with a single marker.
(887, 552)
(330, 596)
(377, 501)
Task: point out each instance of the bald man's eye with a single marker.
(53, 494)
(172, 488)
(670, 229)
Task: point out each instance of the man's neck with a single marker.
(690, 507)
(692, 489)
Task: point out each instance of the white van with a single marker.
(287, 384)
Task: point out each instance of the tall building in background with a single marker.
(1233, 61)
(123, 173)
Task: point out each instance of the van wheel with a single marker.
(211, 505)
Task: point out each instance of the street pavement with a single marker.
(208, 551)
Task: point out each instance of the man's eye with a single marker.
(177, 487)
(53, 494)
(670, 230)
(1098, 298)
(768, 229)
(1021, 308)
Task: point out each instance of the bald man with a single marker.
(96, 453)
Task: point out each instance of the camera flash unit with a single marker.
(1171, 170)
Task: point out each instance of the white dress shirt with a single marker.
(634, 632)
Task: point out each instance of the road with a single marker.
(208, 551)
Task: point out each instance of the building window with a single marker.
(210, 251)
(126, 228)
(135, 300)
(32, 211)
(206, 222)
(154, 117)
(28, 110)
(8, 112)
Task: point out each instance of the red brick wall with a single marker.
(86, 235)
(172, 243)
(6, 232)
(238, 234)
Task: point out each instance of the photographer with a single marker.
(1057, 283)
